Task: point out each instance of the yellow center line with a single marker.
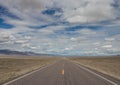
(63, 72)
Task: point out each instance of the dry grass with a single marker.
(13, 67)
(109, 66)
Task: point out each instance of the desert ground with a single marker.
(12, 66)
(106, 65)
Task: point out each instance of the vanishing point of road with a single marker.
(64, 72)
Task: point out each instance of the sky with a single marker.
(61, 27)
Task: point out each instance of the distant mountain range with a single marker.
(9, 52)
(27, 53)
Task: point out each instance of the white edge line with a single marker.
(78, 64)
(28, 74)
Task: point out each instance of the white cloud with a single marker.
(46, 39)
(19, 23)
(109, 39)
(32, 47)
(74, 11)
(107, 46)
(6, 37)
(26, 45)
(21, 41)
(86, 31)
(93, 11)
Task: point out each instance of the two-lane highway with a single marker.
(63, 72)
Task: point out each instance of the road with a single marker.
(64, 72)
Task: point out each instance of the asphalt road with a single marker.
(64, 72)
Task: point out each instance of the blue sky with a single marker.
(61, 27)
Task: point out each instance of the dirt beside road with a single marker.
(13, 67)
(107, 65)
